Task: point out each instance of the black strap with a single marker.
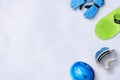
(80, 7)
(88, 6)
(116, 20)
(102, 55)
(96, 5)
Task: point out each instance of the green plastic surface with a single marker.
(106, 27)
(117, 15)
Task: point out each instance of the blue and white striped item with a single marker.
(101, 52)
(105, 56)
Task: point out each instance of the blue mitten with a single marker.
(75, 4)
(93, 9)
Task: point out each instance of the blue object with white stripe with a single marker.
(75, 4)
(101, 52)
(93, 9)
(82, 71)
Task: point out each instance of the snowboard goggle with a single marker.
(105, 56)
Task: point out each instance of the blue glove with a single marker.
(91, 12)
(93, 9)
(75, 4)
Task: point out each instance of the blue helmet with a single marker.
(82, 71)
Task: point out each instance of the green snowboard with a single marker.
(109, 26)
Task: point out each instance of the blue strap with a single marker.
(93, 9)
(75, 4)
